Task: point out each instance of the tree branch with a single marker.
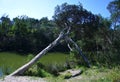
(79, 50)
(69, 47)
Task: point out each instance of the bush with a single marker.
(67, 75)
(32, 71)
(53, 69)
(36, 71)
(29, 57)
(42, 73)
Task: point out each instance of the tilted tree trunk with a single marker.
(22, 69)
(78, 49)
(62, 35)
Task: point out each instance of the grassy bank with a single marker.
(93, 74)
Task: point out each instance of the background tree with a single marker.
(114, 9)
(83, 23)
(5, 32)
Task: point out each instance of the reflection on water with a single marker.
(1, 73)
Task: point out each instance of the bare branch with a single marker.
(70, 47)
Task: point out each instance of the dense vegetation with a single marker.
(98, 37)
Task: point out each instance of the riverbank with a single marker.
(93, 74)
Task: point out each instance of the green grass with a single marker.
(93, 74)
(101, 74)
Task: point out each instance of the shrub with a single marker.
(40, 65)
(42, 73)
(67, 75)
(36, 71)
(32, 71)
(53, 69)
(29, 57)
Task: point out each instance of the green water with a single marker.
(9, 62)
(52, 58)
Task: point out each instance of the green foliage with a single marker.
(36, 71)
(55, 68)
(93, 74)
(26, 35)
(72, 56)
(72, 59)
(101, 74)
(43, 73)
(101, 80)
(67, 75)
(114, 9)
(29, 57)
(115, 74)
(32, 71)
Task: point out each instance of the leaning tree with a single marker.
(67, 17)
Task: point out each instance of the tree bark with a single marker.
(22, 69)
(79, 50)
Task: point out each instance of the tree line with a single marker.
(24, 34)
